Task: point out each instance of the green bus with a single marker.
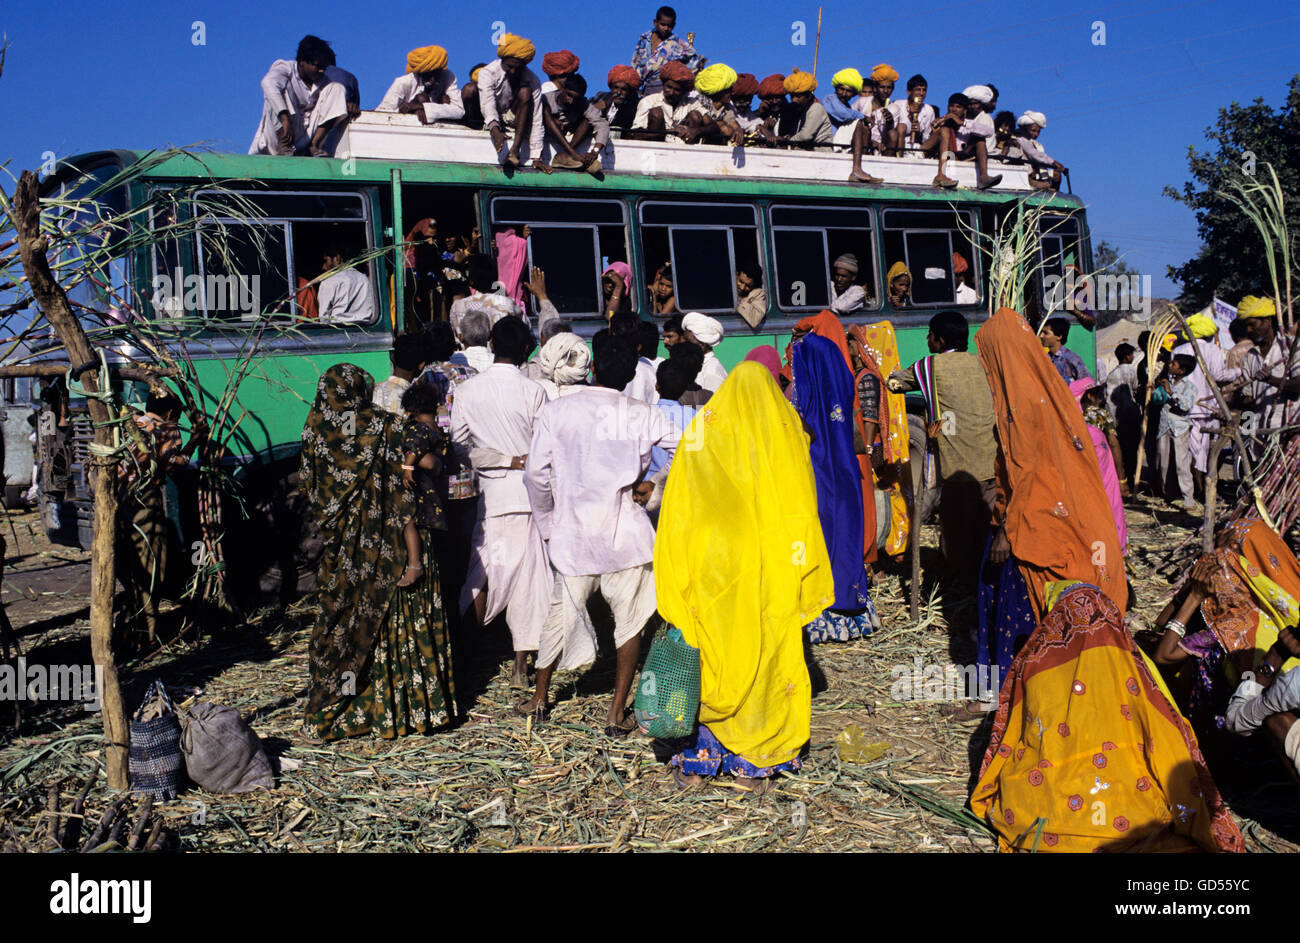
(703, 209)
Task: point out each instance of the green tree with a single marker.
(1231, 260)
(1106, 259)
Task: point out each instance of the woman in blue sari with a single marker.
(823, 396)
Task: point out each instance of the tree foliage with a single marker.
(1231, 261)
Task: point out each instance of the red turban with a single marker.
(559, 63)
(677, 72)
(746, 86)
(625, 74)
(772, 85)
(959, 263)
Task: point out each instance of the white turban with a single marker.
(1032, 117)
(565, 359)
(979, 93)
(707, 330)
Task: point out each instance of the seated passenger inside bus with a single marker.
(428, 88)
(966, 293)
(847, 295)
(575, 129)
(345, 295)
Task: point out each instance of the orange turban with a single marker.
(516, 47)
(677, 72)
(798, 82)
(772, 85)
(746, 86)
(559, 63)
(884, 72)
(959, 263)
(625, 74)
(426, 59)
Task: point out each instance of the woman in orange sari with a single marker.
(1088, 753)
(1052, 515)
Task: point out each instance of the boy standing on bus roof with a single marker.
(506, 89)
(428, 88)
(300, 106)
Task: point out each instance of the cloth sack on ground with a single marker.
(222, 753)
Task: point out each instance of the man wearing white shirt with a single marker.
(847, 295)
(428, 88)
(642, 388)
(1267, 699)
(483, 295)
(345, 296)
(507, 90)
(662, 113)
(474, 331)
(584, 476)
(301, 107)
(492, 420)
(1204, 415)
(706, 333)
(977, 135)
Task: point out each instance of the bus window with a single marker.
(93, 216)
(703, 242)
(571, 241)
(925, 241)
(1059, 244)
(263, 253)
(807, 240)
(440, 252)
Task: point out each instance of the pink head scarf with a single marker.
(512, 255)
(625, 270)
(769, 357)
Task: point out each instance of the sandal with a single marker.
(947, 183)
(623, 728)
(405, 583)
(538, 714)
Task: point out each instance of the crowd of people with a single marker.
(486, 479)
(668, 92)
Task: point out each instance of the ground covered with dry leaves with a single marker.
(882, 774)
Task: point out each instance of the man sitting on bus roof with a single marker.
(507, 90)
(619, 104)
(665, 112)
(428, 88)
(913, 119)
(804, 123)
(1047, 172)
(344, 297)
(742, 103)
(977, 135)
(351, 87)
(846, 85)
(300, 106)
(575, 129)
(876, 92)
(772, 105)
(714, 121)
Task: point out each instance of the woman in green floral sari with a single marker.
(379, 656)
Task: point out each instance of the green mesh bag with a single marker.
(668, 694)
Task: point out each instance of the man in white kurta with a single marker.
(298, 100)
(492, 420)
(706, 332)
(428, 89)
(344, 297)
(1203, 416)
(585, 472)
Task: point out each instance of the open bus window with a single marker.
(447, 222)
(93, 215)
(571, 241)
(925, 241)
(704, 242)
(243, 271)
(807, 240)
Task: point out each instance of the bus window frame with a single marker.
(868, 210)
(294, 314)
(753, 206)
(972, 222)
(594, 228)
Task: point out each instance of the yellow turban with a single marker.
(1252, 307)
(426, 59)
(897, 269)
(884, 72)
(798, 82)
(1168, 343)
(849, 78)
(516, 47)
(1202, 325)
(714, 79)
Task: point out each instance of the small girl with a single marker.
(424, 450)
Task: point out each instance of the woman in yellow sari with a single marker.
(740, 567)
(873, 349)
(1088, 753)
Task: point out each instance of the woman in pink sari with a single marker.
(512, 255)
(1109, 478)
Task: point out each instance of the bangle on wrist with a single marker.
(409, 467)
(1266, 669)
(1176, 626)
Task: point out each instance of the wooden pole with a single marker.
(914, 551)
(53, 302)
(817, 44)
(1211, 492)
(46, 369)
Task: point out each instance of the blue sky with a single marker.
(1120, 115)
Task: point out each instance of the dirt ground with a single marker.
(881, 774)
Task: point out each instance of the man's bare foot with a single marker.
(759, 787)
(947, 183)
(533, 708)
(861, 176)
(965, 713)
(410, 576)
(512, 160)
(519, 676)
(686, 780)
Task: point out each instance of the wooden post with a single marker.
(53, 302)
(914, 551)
(817, 45)
(1211, 492)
